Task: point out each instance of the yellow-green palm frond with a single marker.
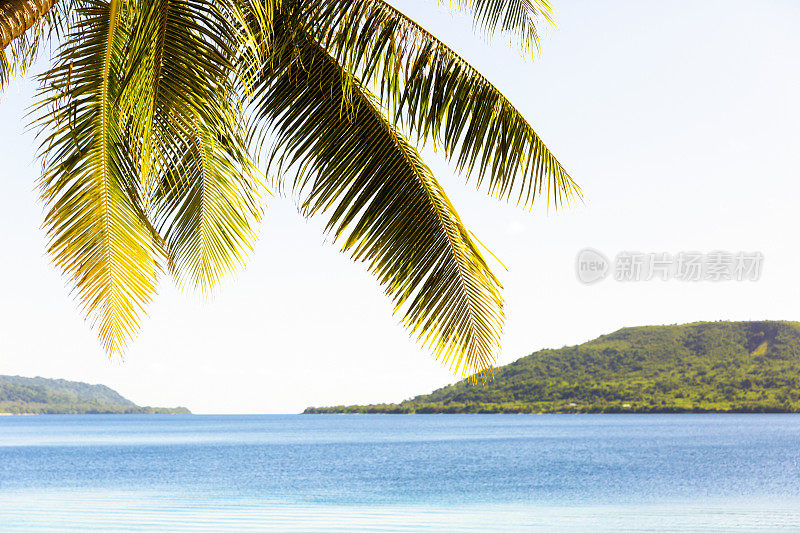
(145, 138)
(96, 227)
(182, 98)
(439, 96)
(207, 204)
(254, 20)
(8, 68)
(16, 59)
(383, 203)
(517, 19)
(181, 56)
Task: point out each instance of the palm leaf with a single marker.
(383, 203)
(95, 224)
(204, 196)
(517, 19)
(207, 206)
(441, 97)
(145, 149)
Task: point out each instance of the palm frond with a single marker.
(207, 205)
(383, 203)
(146, 149)
(440, 97)
(98, 235)
(8, 67)
(254, 20)
(16, 59)
(517, 19)
(183, 102)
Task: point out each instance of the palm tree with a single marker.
(155, 113)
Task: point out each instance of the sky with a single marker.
(680, 120)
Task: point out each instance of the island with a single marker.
(20, 395)
(703, 367)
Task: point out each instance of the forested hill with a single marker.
(20, 395)
(700, 367)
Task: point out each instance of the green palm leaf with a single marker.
(439, 96)
(205, 196)
(207, 206)
(146, 137)
(382, 202)
(97, 231)
(518, 19)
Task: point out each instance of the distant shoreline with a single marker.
(21, 395)
(91, 414)
(703, 367)
(367, 411)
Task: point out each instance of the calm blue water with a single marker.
(390, 473)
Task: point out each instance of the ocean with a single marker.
(400, 473)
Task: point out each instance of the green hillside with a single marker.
(20, 395)
(700, 367)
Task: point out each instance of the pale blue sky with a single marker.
(681, 121)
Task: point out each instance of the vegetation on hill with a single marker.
(700, 367)
(20, 395)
